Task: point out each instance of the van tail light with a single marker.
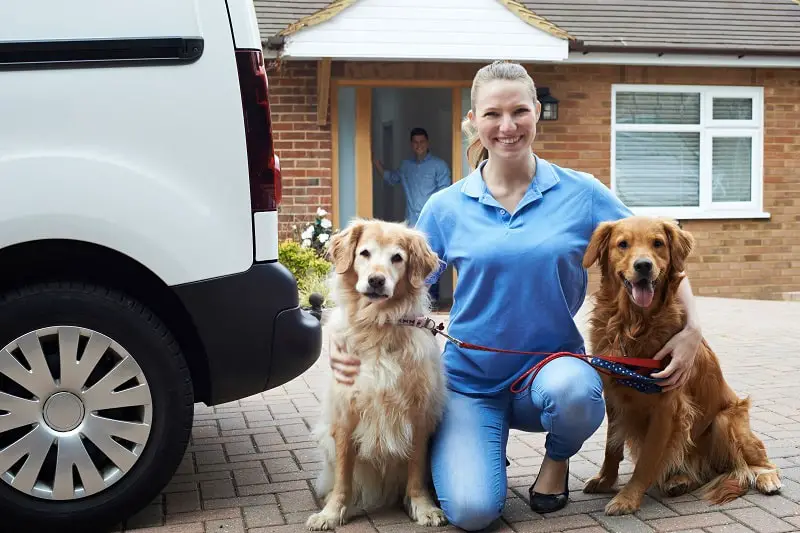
(264, 167)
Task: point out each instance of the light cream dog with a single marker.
(374, 433)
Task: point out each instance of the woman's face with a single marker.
(505, 117)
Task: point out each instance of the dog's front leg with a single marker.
(419, 503)
(614, 453)
(649, 465)
(335, 509)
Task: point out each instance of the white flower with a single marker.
(325, 223)
(294, 226)
(323, 237)
(308, 233)
(321, 212)
(306, 243)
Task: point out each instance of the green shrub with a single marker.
(302, 262)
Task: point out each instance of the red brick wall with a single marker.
(735, 258)
(303, 147)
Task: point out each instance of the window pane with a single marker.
(731, 169)
(658, 108)
(733, 109)
(658, 169)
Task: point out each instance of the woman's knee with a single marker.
(473, 510)
(573, 394)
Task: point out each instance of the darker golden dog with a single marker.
(697, 436)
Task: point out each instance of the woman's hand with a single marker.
(683, 348)
(345, 367)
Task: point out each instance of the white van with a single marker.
(138, 247)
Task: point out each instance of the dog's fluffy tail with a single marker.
(727, 487)
(730, 438)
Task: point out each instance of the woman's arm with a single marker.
(683, 346)
(686, 298)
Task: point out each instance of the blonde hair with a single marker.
(497, 70)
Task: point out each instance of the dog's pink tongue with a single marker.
(643, 295)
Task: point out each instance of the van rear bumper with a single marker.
(255, 335)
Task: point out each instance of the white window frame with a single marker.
(708, 129)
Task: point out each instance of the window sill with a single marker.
(684, 214)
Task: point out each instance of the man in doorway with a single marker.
(420, 177)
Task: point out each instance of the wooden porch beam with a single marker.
(323, 90)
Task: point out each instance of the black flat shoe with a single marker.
(548, 503)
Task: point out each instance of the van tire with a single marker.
(148, 341)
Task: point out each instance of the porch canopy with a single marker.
(423, 30)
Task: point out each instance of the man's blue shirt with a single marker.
(520, 275)
(420, 179)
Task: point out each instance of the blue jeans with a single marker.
(468, 450)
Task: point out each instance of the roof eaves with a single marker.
(323, 15)
(535, 20)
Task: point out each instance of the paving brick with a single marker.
(299, 500)
(202, 516)
(181, 502)
(262, 515)
(230, 525)
(259, 499)
(690, 521)
(272, 488)
(760, 520)
(550, 525)
(196, 527)
(240, 447)
(281, 465)
(729, 528)
(250, 476)
(218, 488)
(623, 524)
(776, 504)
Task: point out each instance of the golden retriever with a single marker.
(374, 433)
(697, 436)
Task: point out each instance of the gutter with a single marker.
(579, 46)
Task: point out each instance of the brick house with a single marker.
(688, 109)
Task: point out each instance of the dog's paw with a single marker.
(425, 513)
(768, 483)
(598, 485)
(325, 520)
(622, 505)
(677, 485)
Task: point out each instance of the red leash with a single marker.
(640, 362)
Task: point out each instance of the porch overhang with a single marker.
(429, 30)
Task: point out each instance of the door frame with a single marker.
(363, 136)
(363, 128)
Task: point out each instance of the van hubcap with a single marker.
(75, 413)
(63, 411)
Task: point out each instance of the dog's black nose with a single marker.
(643, 266)
(376, 281)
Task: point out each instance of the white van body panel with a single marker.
(75, 162)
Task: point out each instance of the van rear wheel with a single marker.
(96, 407)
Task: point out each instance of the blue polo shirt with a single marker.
(520, 275)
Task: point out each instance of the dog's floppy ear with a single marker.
(342, 248)
(598, 244)
(422, 260)
(681, 243)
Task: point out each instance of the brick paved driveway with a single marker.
(250, 463)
